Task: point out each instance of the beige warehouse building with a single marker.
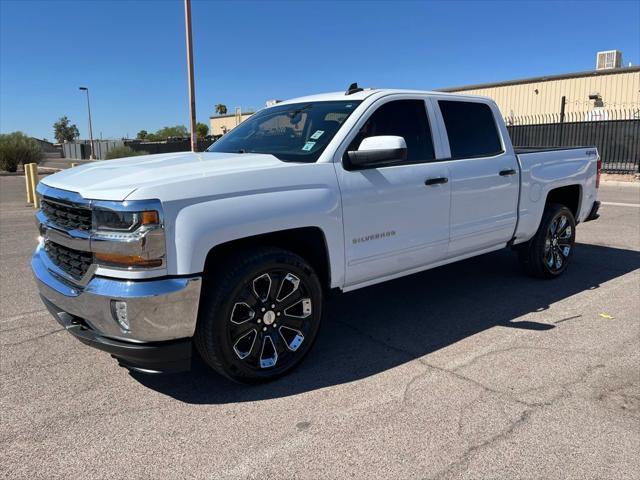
(221, 124)
(600, 94)
(610, 92)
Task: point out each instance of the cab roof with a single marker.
(366, 93)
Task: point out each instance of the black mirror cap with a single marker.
(359, 160)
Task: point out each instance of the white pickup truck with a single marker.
(233, 249)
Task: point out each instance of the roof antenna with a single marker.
(353, 88)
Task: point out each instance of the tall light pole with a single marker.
(192, 89)
(91, 155)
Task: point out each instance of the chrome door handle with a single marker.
(436, 181)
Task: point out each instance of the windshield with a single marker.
(296, 132)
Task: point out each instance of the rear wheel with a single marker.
(260, 315)
(549, 252)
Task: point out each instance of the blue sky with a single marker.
(131, 54)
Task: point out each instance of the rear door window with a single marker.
(471, 129)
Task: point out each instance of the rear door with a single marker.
(484, 175)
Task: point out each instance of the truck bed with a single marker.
(548, 168)
(521, 150)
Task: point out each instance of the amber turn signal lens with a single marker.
(150, 217)
(127, 260)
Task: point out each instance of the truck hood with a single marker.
(118, 179)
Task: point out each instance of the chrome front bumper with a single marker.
(158, 309)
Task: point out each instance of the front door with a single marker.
(395, 219)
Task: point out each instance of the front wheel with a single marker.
(548, 253)
(260, 315)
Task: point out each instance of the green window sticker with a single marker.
(308, 146)
(317, 134)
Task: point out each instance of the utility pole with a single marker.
(92, 154)
(563, 103)
(192, 90)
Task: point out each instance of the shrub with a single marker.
(122, 152)
(178, 131)
(17, 148)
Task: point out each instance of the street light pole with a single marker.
(192, 90)
(92, 154)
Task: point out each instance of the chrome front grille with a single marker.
(67, 217)
(69, 244)
(74, 262)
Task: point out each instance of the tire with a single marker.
(259, 315)
(548, 253)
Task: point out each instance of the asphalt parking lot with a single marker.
(469, 371)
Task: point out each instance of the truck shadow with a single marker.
(380, 327)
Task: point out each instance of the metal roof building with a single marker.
(587, 94)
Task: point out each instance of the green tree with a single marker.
(17, 148)
(179, 131)
(64, 131)
(221, 109)
(202, 129)
(142, 134)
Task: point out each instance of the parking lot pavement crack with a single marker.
(410, 383)
(32, 339)
(482, 356)
(531, 407)
(465, 458)
(565, 388)
(455, 372)
(411, 355)
(13, 318)
(475, 382)
(621, 393)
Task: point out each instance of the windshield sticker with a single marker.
(308, 146)
(317, 135)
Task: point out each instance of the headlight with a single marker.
(114, 221)
(128, 235)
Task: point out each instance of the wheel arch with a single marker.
(309, 243)
(568, 195)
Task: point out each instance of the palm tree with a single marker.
(221, 109)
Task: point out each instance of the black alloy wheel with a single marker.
(267, 324)
(549, 252)
(558, 243)
(262, 317)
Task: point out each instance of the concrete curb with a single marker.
(618, 183)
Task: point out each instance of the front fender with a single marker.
(201, 226)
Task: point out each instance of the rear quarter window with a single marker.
(471, 129)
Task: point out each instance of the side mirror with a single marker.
(378, 151)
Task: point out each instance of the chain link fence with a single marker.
(82, 149)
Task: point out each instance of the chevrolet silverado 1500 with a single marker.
(233, 249)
